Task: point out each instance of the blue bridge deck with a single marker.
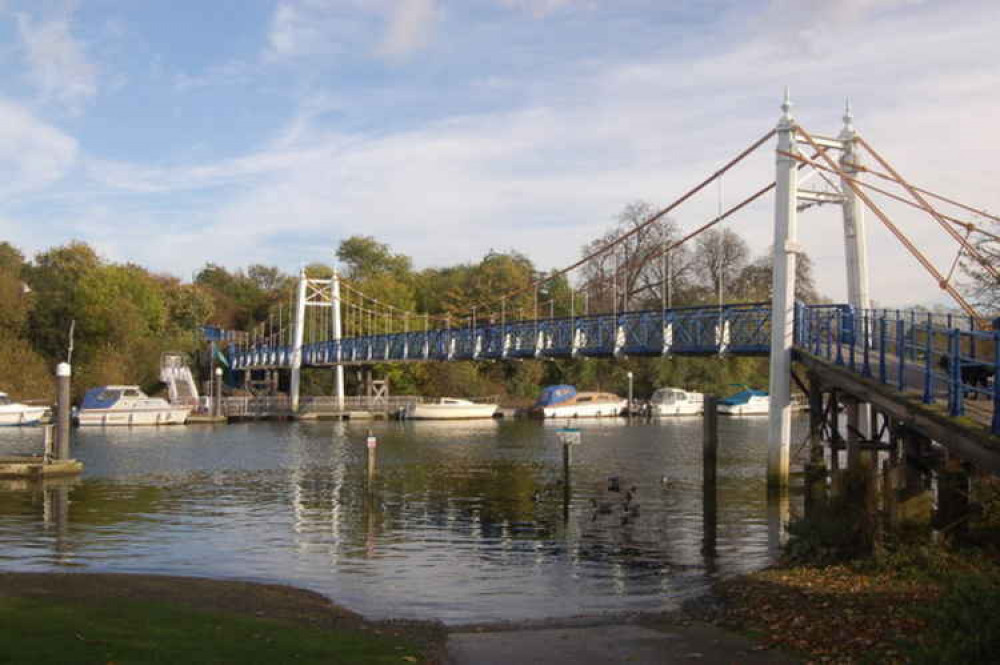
(912, 351)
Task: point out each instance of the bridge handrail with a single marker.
(890, 346)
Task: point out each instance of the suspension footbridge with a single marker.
(918, 372)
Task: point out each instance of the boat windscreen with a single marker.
(100, 398)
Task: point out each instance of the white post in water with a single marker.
(855, 250)
(338, 369)
(782, 301)
(63, 374)
(298, 333)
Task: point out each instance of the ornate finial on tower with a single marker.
(786, 110)
(848, 116)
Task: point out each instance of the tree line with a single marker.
(126, 316)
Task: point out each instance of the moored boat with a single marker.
(676, 402)
(14, 413)
(129, 406)
(450, 408)
(748, 402)
(565, 402)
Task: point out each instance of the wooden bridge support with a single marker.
(890, 470)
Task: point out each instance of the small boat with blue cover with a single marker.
(565, 402)
(747, 402)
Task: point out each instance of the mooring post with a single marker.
(63, 374)
(709, 465)
(372, 445)
(217, 402)
(782, 301)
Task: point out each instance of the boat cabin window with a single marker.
(108, 395)
(132, 392)
(585, 399)
(4, 400)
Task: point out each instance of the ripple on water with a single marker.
(463, 522)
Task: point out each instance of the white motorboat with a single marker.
(450, 408)
(14, 413)
(747, 402)
(129, 406)
(676, 402)
(565, 402)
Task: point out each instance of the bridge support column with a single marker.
(855, 247)
(782, 302)
(338, 369)
(297, 335)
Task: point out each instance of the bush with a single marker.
(964, 624)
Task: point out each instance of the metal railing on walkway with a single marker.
(940, 357)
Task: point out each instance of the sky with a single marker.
(177, 133)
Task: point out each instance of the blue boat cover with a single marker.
(100, 398)
(742, 397)
(552, 395)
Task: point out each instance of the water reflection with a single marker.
(462, 521)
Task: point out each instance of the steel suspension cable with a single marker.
(916, 253)
(930, 210)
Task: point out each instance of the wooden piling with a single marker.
(372, 444)
(816, 468)
(709, 456)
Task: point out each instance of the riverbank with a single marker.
(927, 605)
(104, 618)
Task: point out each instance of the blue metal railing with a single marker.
(940, 356)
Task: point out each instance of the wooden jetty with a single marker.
(37, 467)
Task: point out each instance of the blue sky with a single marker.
(240, 131)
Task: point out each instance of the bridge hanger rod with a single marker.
(954, 220)
(657, 252)
(917, 254)
(677, 202)
(970, 249)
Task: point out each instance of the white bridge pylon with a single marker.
(790, 198)
(324, 293)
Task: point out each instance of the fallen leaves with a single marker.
(834, 614)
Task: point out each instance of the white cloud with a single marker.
(410, 25)
(538, 8)
(329, 27)
(57, 61)
(32, 153)
(549, 175)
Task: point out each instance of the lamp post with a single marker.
(630, 409)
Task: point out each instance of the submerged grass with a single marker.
(52, 631)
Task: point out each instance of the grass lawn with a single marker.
(44, 631)
(135, 620)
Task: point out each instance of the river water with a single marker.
(464, 521)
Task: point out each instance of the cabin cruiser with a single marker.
(127, 405)
(566, 402)
(676, 402)
(14, 413)
(747, 402)
(450, 408)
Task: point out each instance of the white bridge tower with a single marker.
(790, 199)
